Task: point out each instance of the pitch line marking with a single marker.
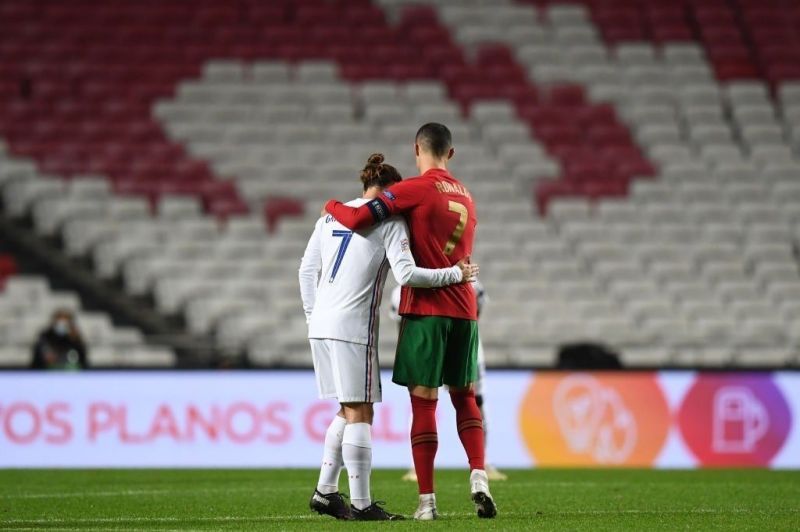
(133, 493)
(596, 484)
(302, 517)
(213, 519)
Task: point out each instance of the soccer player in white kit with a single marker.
(342, 275)
(480, 385)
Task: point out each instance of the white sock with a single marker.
(332, 457)
(357, 454)
(427, 499)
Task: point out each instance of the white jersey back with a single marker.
(343, 272)
(350, 286)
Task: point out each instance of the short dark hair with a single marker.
(435, 138)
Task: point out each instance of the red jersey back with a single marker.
(441, 217)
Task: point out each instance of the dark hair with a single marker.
(377, 173)
(435, 138)
(62, 312)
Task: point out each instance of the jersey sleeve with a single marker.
(310, 266)
(396, 199)
(404, 268)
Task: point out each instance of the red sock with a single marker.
(470, 426)
(424, 440)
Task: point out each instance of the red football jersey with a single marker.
(441, 217)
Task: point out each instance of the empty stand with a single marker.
(714, 148)
(635, 164)
(26, 304)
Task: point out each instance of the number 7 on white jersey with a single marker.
(345, 236)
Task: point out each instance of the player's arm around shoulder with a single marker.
(399, 198)
(404, 267)
(356, 218)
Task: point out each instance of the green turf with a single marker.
(278, 499)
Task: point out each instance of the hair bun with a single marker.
(375, 158)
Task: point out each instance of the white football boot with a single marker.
(495, 474)
(410, 476)
(426, 511)
(479, 486)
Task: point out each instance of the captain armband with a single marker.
(380, 211)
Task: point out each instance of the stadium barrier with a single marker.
(274, 419)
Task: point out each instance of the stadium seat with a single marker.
(26, 304)
(621, 124)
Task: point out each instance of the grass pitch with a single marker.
(278, 500)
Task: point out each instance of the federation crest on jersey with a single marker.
(389, 195)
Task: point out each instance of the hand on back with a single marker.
(469, 271)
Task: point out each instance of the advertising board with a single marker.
(274, 419)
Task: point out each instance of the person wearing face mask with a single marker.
(60, 345)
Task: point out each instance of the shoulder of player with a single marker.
(415, 181)
(329, 219)
(427, 180)
(411, 187)
(321, 221)
(357, 202)
(393, 224)
(447, 184)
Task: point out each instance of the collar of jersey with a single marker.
(436, 172)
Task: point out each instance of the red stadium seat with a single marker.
(566, 95)
(564, 134)
(545, 192)
(277, 207)
(227, 208)
(614, 188)
(672, 32)
(8, 267)
(84, 69)
(609, 135)
(597, 114)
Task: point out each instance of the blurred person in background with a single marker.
(342, 275)
(480, 384)
(60, 345)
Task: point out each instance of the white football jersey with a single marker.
(343, 272)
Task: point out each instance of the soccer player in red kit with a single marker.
(439, 333)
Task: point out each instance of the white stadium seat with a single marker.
(680, 271)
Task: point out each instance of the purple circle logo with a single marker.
(734, 419)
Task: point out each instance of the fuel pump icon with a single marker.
(739, 420)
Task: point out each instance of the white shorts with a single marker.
(346, 371)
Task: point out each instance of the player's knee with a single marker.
(466, 390)
(424, 392)
(358, 412)
(460, 396)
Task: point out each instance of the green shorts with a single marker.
(435, 350)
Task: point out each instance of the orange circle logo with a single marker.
(601, 419)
